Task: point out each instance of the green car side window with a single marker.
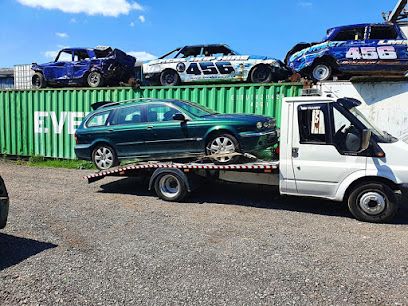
(98, 119)
(128, 115)
(160, 112)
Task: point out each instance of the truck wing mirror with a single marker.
(365, 140)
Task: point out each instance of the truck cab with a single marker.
(328, 149)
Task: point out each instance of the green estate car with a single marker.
(160, 129)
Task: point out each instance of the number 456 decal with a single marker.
(372, 53)
(210, 68)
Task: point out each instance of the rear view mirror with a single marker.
(179, 117)
(365, 140)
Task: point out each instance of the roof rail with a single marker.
(103, 104)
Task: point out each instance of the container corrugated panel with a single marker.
(42, 122)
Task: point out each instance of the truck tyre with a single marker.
(223, 143)
(38, 80)
(95, 79)
(104, 157)
(322, 72)
(261, 74)
(170, 186)
(169, 78)
(373, 202)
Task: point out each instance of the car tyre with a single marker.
(38, 80)
(104, 157)
(95, 79)
(262, 74)
(223, 143)
(321, 72)
(169, 78)
(373, 202)
(170, 187)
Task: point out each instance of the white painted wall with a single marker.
(384, 103)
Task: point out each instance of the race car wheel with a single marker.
(169, 78)
(38, 80)
(95, 79)
(261, 74)
(223, 144)
(322, 72)
(104, 157)
(373, 202)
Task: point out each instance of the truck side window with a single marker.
(346, 136)
(312, 123)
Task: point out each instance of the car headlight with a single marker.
(259, 125)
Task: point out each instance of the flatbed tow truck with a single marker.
(327, 149)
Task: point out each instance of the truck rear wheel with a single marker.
(170, 187)
(373, 202)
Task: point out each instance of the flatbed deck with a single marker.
(135, 169)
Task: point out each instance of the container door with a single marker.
(324, 142)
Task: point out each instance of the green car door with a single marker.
(169, 136)
(129, 132)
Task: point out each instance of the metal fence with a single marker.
(42, 122)
(22, 76)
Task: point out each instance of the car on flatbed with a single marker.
(378, 49)
(168, 129)
(85, 67)
(4, 204)
(212, 63)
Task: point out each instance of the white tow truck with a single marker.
(327, 149)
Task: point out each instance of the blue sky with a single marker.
(33, 30)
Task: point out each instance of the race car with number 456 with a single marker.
(362, 49)
(211, 63)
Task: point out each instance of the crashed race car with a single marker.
(85, 67)
(362, 49)
(210, 63)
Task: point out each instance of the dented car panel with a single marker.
(211, 63)
(362, 48)
(72, 65)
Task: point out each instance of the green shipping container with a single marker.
(43, 122)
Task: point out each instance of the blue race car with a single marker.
(362, 49)
(83, 66)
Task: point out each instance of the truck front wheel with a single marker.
(373, 202)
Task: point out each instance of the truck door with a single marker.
(324, 146)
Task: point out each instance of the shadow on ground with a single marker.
(265, 197)
(14, 250)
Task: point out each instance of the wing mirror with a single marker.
(179, 117)
(365, 140)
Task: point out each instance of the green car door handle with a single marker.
(149, 127)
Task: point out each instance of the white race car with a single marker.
(210, 63)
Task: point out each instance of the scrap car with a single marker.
(211, 63)
(362, 49)
(154, 129)
(85, 67)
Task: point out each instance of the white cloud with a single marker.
(142, 56)
(73, 20)
(305, 3)
(51, 54)
(62, 35)
(132, 24)
(90, 7)
(142, 18)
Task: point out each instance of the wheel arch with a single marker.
(102, 142)
(370, 179)
(217, 131)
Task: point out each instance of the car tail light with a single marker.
(277, 150)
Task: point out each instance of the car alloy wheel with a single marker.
(222, 145)
(95, 79)
(104, 158)
(321, 72)
(261, 74)
(169, 78)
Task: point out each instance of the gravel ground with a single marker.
(113, 242)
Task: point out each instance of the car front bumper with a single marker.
(255, 141)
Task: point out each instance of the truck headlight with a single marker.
(259, 125)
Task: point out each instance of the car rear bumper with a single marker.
(83, 152)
